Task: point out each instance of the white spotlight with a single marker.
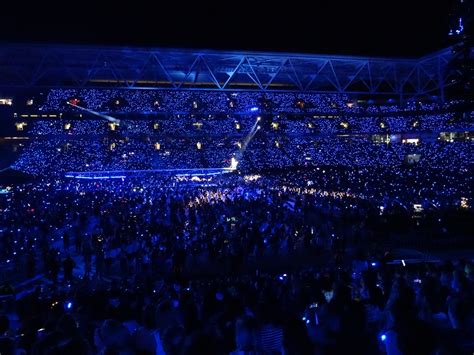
(259, 118)
(233, 163)
(258, 127)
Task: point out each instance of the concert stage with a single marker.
(122, 174)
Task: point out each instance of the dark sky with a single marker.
(379, 28)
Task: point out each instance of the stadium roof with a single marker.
(74, 66)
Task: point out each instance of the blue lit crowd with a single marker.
(55, 156)
(167, 266)
(236, 125)
(148, 101)
(294, 252)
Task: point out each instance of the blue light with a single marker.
(373, 264)
(68, 305)
(460, 28)
(383, 337)
(97, 177)
(253, 109)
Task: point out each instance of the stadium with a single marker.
(189, 201)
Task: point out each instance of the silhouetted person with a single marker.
(66, 241)
(68, 265)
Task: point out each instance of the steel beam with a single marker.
(30, 66)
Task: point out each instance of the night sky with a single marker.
(378, 28)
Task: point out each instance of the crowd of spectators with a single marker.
(231, 126)
(290, 253)
(119, 263)
(154, 101)
(185, 101)
(54, 156)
